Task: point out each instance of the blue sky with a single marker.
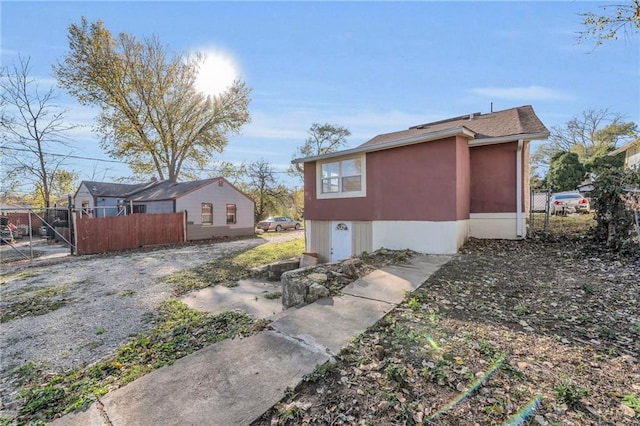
(373, 67)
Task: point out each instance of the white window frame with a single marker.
(340, 193)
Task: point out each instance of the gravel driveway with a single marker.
(96, 303)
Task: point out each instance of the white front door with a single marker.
(340, 240)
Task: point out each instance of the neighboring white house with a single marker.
(102, 199)
(632, 154)
(214, 206)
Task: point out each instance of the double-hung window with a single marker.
(342, 178)
(207, 213)
(231, 214)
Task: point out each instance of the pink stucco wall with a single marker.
(425, 182)
(493, 178)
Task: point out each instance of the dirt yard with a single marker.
(546, 330)
(73, 311)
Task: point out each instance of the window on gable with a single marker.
(342, 178)
(207, 213)
(231, 214)
(86, 210)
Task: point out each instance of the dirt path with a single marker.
(92, 304)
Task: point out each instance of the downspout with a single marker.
(519, 233)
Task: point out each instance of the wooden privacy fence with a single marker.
(99, 235)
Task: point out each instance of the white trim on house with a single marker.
(340, 193)
(508, 138)
(496, 226)
(426, 137)
(519, 227)
(422, 236)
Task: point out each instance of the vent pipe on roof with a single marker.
(470, 116)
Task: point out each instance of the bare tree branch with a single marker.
(32, 126)
(151, 116)
(615, 19)
(323, 139)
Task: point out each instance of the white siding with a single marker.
(158, 206)
(106, 206)
(420, 236)
(219, 196)
(362, 238)
(83, 194)
(633, 157)
(318, 238)
(495, 225)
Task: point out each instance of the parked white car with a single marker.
(278, 223)
(568, 202)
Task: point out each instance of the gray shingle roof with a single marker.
(168, 190)
(109, 189)
(510, 122)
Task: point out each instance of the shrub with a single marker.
(615, 220)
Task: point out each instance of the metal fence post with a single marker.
(70, 220)
(531, 209)
(546, 211)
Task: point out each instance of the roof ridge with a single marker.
(446, 120)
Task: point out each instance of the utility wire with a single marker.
(78, 157)
(64, 155)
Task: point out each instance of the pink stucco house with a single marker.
(427, 188)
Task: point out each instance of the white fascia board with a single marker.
(509, 138)
(623, 148)
(426, 137)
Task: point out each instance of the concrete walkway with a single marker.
(235, 381)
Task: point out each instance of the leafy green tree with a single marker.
(234, 173)
(33, 132)
(64, 184)
(323, 139)
(263, 187)
(152, 115)
(592, 134)
(566, 172)
(598, 164)
(295, 207)
(614, 218)
(615, 18)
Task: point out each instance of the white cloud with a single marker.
(364, 125)
(529, 93)
(292, 124)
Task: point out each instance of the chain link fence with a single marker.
(539, 211)
(543, 219)
(548, 215)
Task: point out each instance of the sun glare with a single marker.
(217, 72)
